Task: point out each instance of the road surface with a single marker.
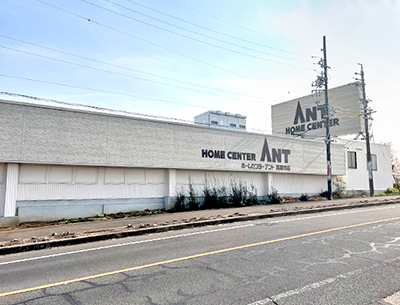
(342, 257)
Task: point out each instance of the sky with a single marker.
(179, 58)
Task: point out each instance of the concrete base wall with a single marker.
(6, 222)
(362, 192)
(297, 195)
(51, 210)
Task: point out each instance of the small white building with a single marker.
(64, 163)
(221, 119)
(356, 177)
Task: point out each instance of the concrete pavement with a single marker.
(19, 239)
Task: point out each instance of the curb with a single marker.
(138, 232)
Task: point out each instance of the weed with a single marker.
(193, 200)
(238, 194)
(210, 197)
(339, 187)
(252, 198)
(274, 197)
(304, 197)
(180, 201)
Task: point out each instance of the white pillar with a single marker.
(269, 183)
(11, 187)
(170, 188)
(2, 188)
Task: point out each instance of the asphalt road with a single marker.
(345, 257)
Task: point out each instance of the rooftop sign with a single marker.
(305, 116)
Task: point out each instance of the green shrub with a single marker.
(252, 198)
(238, 194)
(210, 197)
(193, 200)
(392, 191)
(274, 197)
(304, 197)
(223, 198)
(339, 186)
(180, 201)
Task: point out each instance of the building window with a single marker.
(214, 122)
(232, 125)
(374, 163)
(352, 159)
(242, 127)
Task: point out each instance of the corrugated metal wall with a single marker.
(49, 182)
(300, 184)
(220, 178)
(2, 188)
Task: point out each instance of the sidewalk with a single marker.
(16, 239)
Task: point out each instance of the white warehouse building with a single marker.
(64, 163)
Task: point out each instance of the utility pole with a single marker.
(366, 124)
(328, 135)
(322, 81)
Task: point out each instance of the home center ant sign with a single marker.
(305, 117)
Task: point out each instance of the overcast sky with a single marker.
(179, 58)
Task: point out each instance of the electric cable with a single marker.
(239, 26)
(147, 41)
(115, 111)
(345, 110)
(122, 74)
(78, 105)
(212, 30)
(201, 34)
(350, 117)
(198, 40)
(126, 68)
(99, 90)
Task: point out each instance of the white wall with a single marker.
(289, 185)
(2, 188)
(64, 155)
(49, 135)
(55, 182)
(220, 178)
(357, 179)
(295, 185)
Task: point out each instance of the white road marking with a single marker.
(124, 244)
(393, 299)
(319, 284)
(334, 214)
(185, 235)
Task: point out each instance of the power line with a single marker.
(214, 31)
(203, 35)
(41, 99)
(127, 68)
(147, 41)
(120, 74)
(346, 111)
(117, 111)
(99, 90)
(239, 26)
(211, 30)
(110, 110)
(198, 40)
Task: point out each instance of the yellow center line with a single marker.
(90, 277)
